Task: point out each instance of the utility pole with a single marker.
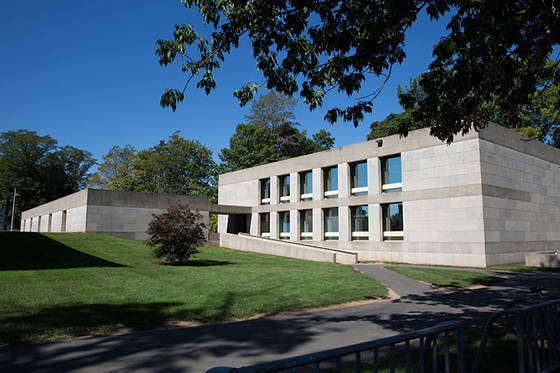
(13, 210)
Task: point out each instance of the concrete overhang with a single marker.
(229, 209)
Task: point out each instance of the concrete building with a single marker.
(485, 200)
(113, 213)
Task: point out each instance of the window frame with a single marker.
(261, 232)
(308, 195)
(284, 188)
(389, 234)
(305, 235)
(356, 191)
(264, 199)
(362, 234)
(283, 234)
(386, 186)
(327, 178)
(331, 235)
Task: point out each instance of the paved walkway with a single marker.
(197, 349)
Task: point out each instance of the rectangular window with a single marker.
(63, 222)
(284, 222)
(265, 191)
(393, 221)
(331, 223)
(330, 176)
(306, 224)
(284, 184)
(359, 222)
(391, 175)
(306, 189)
(358, 179)
(265, 224)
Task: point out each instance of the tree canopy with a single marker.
(316, 46)
(174, 166)
(539, 119)
(115, 169)
(270, 135)
(39, 169)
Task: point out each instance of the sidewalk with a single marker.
(197, 349)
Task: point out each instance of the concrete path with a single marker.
(197, 349)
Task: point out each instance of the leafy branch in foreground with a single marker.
(493, 48)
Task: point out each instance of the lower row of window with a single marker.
(392, 222)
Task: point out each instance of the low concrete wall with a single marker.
(543, 259)
(213, 240)
(287, 249)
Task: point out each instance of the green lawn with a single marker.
(509, 267)
(447, 278)
(64, 285)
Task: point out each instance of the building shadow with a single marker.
(24, 251)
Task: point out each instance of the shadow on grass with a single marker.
(476, 281)
(22, 251)
(525, 269)
(451, 279)
(72, 321)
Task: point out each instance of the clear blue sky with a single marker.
(86, 74)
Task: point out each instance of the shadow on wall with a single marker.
(545, 259)
(23, 251)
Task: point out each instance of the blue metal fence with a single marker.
(450, 334)
(537, 329)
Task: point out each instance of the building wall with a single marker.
(444, 215)
(76, 219)
(486, 199)
(65, 214)
(521, 203)
(115, 213)
(246, 194)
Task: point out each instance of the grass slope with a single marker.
(64, 285)
(447, 278)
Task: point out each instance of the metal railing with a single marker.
(395, 349)
(537, 330)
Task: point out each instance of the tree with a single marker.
(39, 169)
(540, 119)
(400, 123)
(324, 140)
(391, 125)
(176, 234)
(174, 166)
(249, 146)
(274, 112)
(114, 173)
(313, 47)
(270, 136)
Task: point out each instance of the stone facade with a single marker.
(486, 199)
(114, 213)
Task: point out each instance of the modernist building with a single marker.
(486, 199)
(113, 213)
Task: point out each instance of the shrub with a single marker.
(213, 223)
(175, 235)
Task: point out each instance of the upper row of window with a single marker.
(391, 181)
